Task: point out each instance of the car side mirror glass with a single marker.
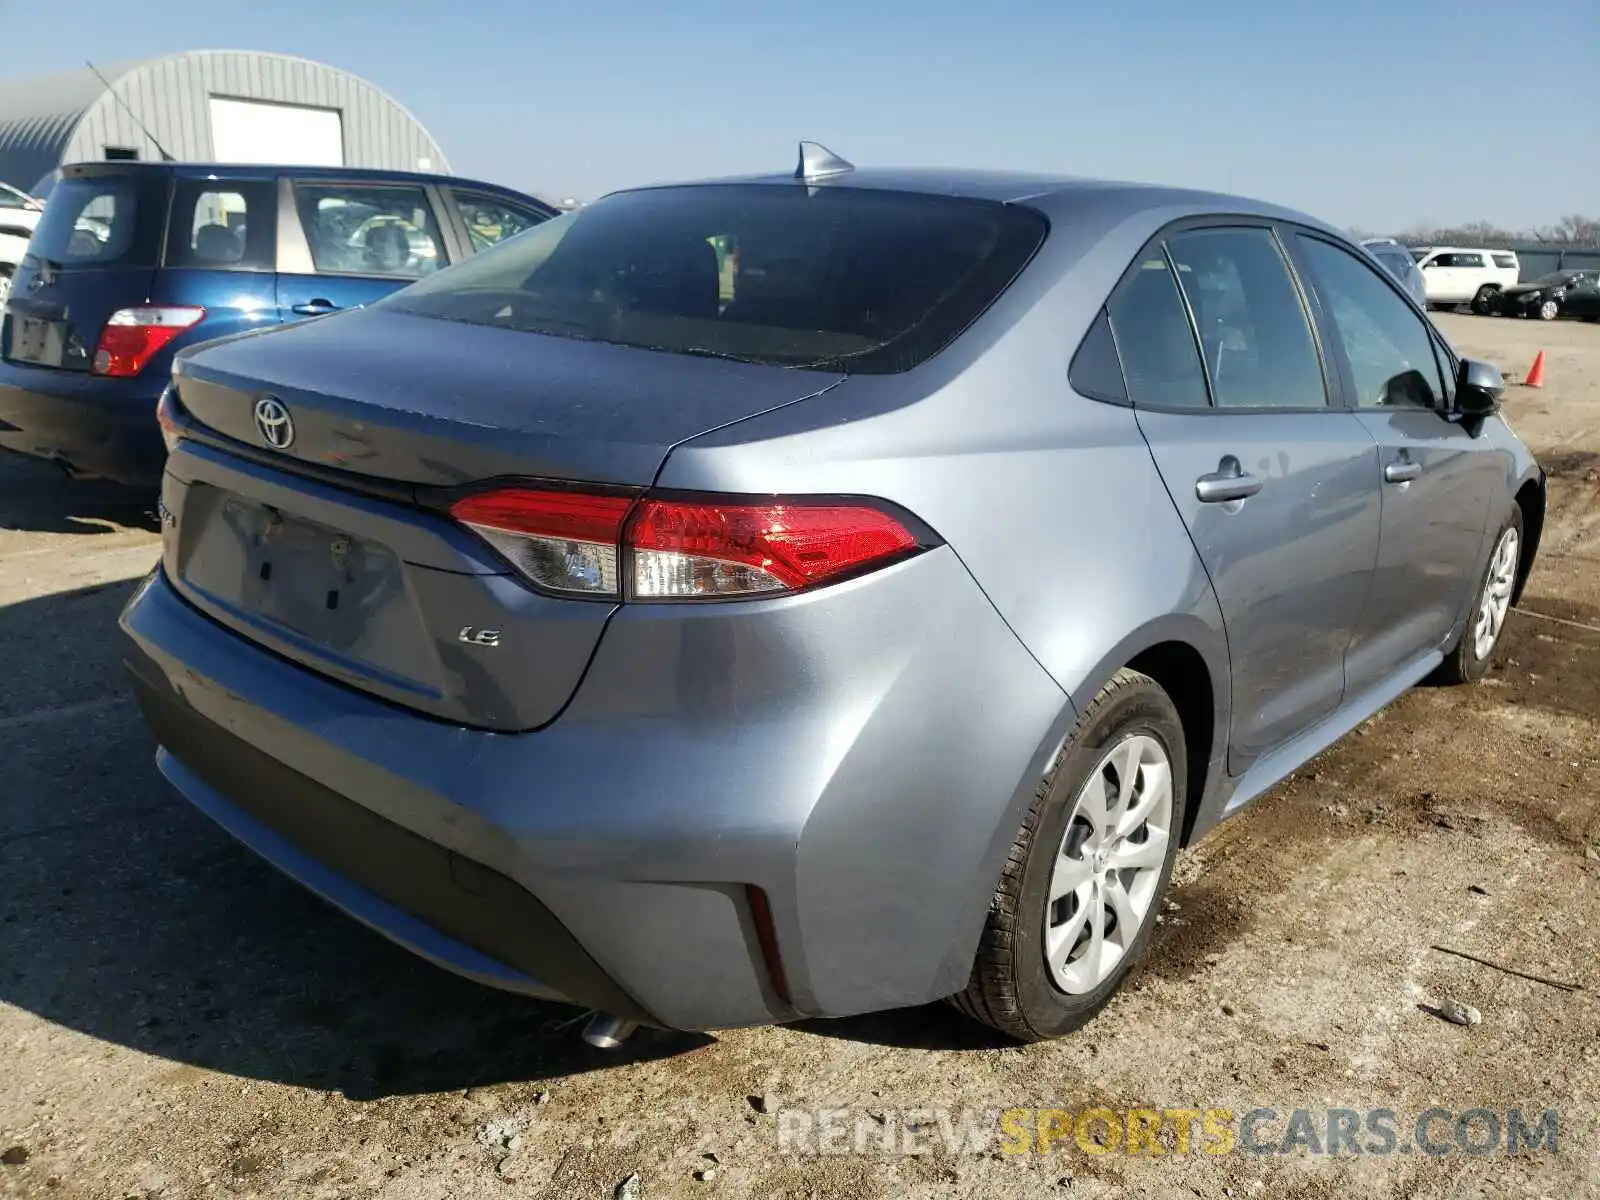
(1479, 385)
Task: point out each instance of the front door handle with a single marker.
(1403, 471)
(315, 308)
(1229, 481)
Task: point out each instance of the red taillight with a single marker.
(167, 418)
(132, 337)
(669, 549)
(708, 549)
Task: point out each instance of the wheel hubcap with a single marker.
(1103, 884)
(1497, 590)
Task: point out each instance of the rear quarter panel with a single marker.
(1051, 500)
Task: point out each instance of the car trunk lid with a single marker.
(434, 403)
(322, 550)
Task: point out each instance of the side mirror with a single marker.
(1478, 388)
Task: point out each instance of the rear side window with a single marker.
(1253, 329)
(354, 230)
(853, 280)
(102, 221)
(1154, 340)
(231, 225)
(491, 220)
(1508, 261)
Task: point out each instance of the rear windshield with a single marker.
(102, 221)
(845, 279)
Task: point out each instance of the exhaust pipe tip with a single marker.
(605, 1032)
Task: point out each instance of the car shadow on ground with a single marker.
(128, 916)
(39, 498)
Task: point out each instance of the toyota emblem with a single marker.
(274, 423)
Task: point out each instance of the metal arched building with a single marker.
(208, 106)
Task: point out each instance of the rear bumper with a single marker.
(97, 426)
(606, 859)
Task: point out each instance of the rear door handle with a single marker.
(1403, 471)
(1228, 483)
(315, 308)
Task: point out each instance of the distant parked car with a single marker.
(1397, 260)
(19, 215)
(131, 262)
(867, 623)
(1562, 294)
(1452, 276)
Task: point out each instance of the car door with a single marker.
(1438, 479)
(1277, 488)
(1583, 298)
(346, 244)
(1443, 277)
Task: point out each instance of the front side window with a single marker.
(1388, 346)
(1154, 340)
(230, 226)
(386, 230)
(852, 280)
(1257, 340)
(491, 220)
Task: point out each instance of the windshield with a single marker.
(853, 280)
(11, 198)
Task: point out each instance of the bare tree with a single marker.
(1572, 230)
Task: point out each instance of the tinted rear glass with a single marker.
(102, 221)
(852, 280)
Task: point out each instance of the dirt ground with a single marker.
(176, 1020)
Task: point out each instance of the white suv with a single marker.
(19, 213)
(1452, 275)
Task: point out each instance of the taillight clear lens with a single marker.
(133, 336)
(683, 551)
(581, 544)
(562, 541)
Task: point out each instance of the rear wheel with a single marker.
(1486, 301)
(1080, 891)
(1468, 661)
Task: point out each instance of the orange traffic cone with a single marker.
(1535, 376)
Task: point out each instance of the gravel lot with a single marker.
(178, 1021)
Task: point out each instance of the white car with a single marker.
(1453, 275)
(19, 214)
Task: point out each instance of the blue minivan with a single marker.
(131, 262)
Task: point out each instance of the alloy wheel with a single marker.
(1497, 590)
(1103, 885)
(1548, 310)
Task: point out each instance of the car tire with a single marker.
(1549, 310)
(1470, 658)
(1486, 301)
(1012, 988)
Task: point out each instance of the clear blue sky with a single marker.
(1365, 113)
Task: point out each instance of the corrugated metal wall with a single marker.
(171, 97)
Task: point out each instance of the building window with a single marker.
(121, 154)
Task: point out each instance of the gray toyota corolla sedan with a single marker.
(818, 593)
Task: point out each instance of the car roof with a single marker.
(1054, 194)
(191, 170)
